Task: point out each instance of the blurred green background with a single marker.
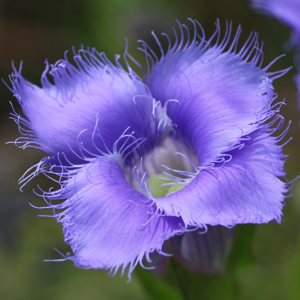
(265, 259)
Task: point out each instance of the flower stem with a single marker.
(179, 282)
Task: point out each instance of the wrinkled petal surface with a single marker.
(87, 109)
(107, 223)
(244, 190)
(222, 96)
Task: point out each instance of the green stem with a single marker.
(179, 282)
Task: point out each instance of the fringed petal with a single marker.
(107, 223)
(245, 189)
(222, 92)
(86, 109)
(100, 124)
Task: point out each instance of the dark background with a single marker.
(33, 30)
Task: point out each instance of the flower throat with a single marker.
(168, 168)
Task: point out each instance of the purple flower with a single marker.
(142, 161)
(288, 11)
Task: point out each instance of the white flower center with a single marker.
(168, 168)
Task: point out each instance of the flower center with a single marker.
(166, 169)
